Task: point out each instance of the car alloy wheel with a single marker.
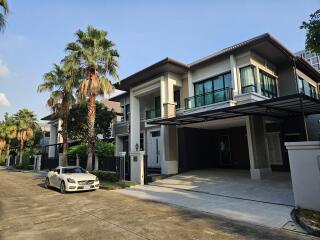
(62, 187)
(47, 183)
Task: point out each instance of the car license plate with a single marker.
(86, 187)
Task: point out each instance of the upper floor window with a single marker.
(213, 90)
(126, 112)
(176, 98)
(248, 79)
(306, 88)
(268, 85)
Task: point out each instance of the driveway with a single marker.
(228, 193)
(28, 211)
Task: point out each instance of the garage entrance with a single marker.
(214, 145)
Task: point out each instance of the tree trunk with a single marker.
(91, 135)
(21, 152)
(64, 127)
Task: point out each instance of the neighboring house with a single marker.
(312, 58)
(232, 109)
(55, 127)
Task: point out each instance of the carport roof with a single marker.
(282, 107)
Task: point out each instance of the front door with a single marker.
(154, 150)
(224, 150)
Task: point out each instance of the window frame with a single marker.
(264, 91)
(254, 85)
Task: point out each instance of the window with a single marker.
(212, 90)
(268, 85)
(141, 142)
(127, 112)
(248, 81)
(176, 98)
(306, 88)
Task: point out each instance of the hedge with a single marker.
(106, 175)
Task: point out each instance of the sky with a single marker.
(144, 32)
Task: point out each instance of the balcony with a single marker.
(216, 96)
(153, 113)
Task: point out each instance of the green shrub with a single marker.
(106, 175)
(103, 149)
(23, 167)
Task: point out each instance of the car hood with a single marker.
(80, 176)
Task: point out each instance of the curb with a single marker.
(310, 230)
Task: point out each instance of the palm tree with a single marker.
(8, 131)
(25, 121)
(5, 12)
(99, 61)
(61, 82)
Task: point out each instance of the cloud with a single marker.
(4, 100)
(4, 70)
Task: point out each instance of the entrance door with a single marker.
(224, 150)
(274, 148)
(154, 150)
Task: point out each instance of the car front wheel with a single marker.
(47, 183)
(62, 187)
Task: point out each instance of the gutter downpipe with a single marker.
(301, 102)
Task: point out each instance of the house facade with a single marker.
(232, 109)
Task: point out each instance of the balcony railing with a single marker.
(216, 96)
(153, 113)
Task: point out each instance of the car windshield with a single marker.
(73, 170)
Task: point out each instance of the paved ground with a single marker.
(228, 193)
(28, 211)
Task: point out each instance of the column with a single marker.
(259, 165)
(134, 122)
(233, 66)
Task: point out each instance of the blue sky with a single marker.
(144, 32)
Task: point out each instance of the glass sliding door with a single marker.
(208, 88)
(219, 93)
(198, 91)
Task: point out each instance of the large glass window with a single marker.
(213, 90)
(306, 88)
(248, 81)
(268, 85)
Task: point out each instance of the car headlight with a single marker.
(70, 180)
(97, 179)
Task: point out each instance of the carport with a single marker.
(246, 131)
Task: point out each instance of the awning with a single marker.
(282, 107)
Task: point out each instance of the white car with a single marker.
(71, 179)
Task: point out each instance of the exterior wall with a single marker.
(211, 70)
(286, 83)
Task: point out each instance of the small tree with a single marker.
(78, 127)
(312, 27)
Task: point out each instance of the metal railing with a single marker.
(153, 113)
(216, 96)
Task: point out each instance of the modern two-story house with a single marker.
(232, 109)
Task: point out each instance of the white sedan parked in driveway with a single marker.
(71, 179)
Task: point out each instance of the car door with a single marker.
(55, 180)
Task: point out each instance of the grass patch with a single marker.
(116, 185)
(311, 218)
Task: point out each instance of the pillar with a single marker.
(96, 163)
(257, 75)
(234, 77)
(259, 165)
(137, 166)
(134, 122)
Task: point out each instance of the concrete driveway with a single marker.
(228, 193)
(28, 211)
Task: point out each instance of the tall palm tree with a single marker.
(99, 61)
(61, 82)
(3, 13)
(26, 122)
(8, 131)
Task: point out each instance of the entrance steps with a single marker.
(154, 174)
